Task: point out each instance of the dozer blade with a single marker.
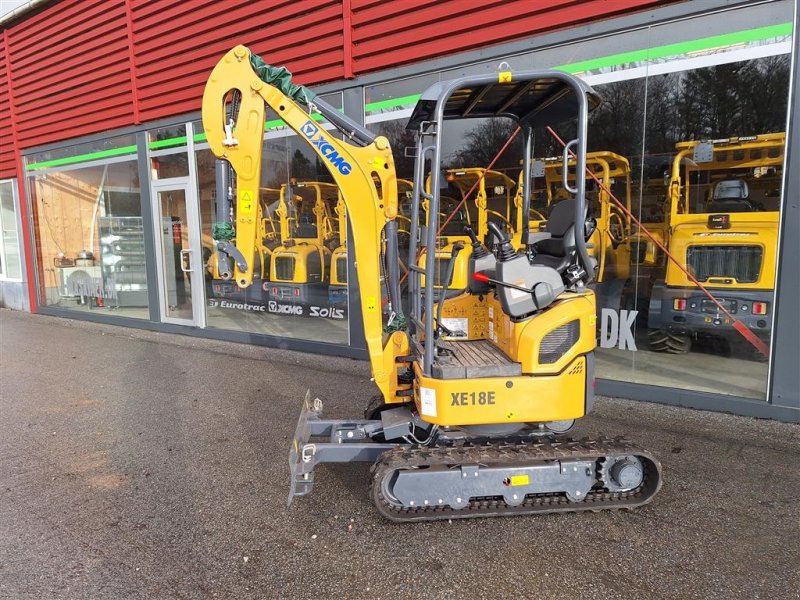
(300, 453)
(508, 479)
(338, 441)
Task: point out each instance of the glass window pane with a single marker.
(722, 76)
(165, 166)
(98, 150)
(11, 267)
(90, 239)
(708, 187)
(167, 149)
(297, 291)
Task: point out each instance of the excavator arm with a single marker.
(365, 175)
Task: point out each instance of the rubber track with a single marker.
(515, 453)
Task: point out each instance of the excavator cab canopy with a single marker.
(533, 99)
(533, 102)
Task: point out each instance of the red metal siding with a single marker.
(175, 48)
(87, 66)
(70, 71)
(8, 162)
(405, 31)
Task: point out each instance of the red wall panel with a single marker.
(87, 66)
(405, 31)
(70, 71)
(8, 163)
(175, 49)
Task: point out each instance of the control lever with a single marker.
(480, 260)
(506, 250)
(478, 251)
(457, 247)
(484, 278)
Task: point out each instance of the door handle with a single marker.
(184, 255)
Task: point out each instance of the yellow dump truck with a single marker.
(724, 199)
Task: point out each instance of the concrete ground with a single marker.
(144, 465)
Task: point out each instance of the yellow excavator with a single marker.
(301, 264)
(460, 428)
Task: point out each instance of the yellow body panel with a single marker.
(338, 278)
(245, 154)
(521, 340)
(442, 256)
(747, 229)
(487, 400)
(470, 309)
(652, 255)
(300, 252)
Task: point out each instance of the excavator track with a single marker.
(565, 451)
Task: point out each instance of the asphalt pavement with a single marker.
(137, 464)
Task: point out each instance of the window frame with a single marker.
(15, 209)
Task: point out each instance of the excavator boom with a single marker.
(365, 174)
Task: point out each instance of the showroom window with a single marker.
(690, 140)
(302, 231)
(88, 228)
(10, 264)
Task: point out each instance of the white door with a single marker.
(179, 252)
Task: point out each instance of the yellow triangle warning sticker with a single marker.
(245, 203)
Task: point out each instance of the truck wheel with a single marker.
(669, 342)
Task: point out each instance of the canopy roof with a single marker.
(531, 98)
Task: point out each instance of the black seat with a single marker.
(306, 231)
(731, 195)
(558, 251)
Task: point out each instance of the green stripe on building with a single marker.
(716, 41)
(58, 162)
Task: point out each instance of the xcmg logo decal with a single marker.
(325, 148)
(309, 129)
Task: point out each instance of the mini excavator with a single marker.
(468, 422)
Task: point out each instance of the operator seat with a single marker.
(731, 195)
(306, 226)
(558, 251)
